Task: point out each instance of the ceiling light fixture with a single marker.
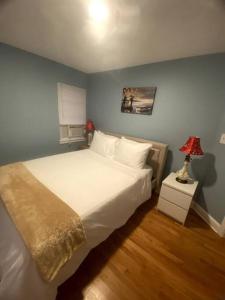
(98, 11)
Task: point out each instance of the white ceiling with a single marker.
(136, 32)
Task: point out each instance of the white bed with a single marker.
(103, 192)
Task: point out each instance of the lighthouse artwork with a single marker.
(138, 100)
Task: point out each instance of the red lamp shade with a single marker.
(192, 146)
(90, 126)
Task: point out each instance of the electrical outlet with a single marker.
(222, 139)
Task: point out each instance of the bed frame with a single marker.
(156, 158)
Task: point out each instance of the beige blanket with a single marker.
(51, 230)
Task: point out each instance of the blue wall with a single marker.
(190, 100)
(28, 104)
(214, 183)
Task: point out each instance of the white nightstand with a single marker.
(175, 198)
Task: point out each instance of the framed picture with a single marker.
(138, 100)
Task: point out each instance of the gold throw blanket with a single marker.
(51, 230)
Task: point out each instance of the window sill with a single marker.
(72, 140)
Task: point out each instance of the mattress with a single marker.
(103, 192)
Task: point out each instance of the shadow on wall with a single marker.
(168, 165)
(4, 3)
(204, 171)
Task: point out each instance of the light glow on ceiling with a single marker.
(98, 11)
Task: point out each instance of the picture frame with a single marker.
(138, 100)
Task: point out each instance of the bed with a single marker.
(86, 181)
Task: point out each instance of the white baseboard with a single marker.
(216, 226)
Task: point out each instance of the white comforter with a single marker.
(103, 192)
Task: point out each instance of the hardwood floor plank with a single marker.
(153, 258)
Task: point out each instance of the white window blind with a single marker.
(72, 105)
(72, 112)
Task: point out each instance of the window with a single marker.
(72, 113)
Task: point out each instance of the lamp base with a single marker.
(184, 181)
(89, 138)
(183, 175)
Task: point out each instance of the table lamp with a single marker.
(90, 128)
(191, 147)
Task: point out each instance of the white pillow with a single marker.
(104, 144)
(131, 153)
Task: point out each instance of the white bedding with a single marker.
(103, 192)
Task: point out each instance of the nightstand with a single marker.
(82, 147)
(175, 198)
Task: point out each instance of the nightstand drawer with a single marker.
(172, 210)
(176, 197)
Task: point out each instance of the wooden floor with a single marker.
(152, 257)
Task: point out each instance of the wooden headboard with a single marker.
(156, 158)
